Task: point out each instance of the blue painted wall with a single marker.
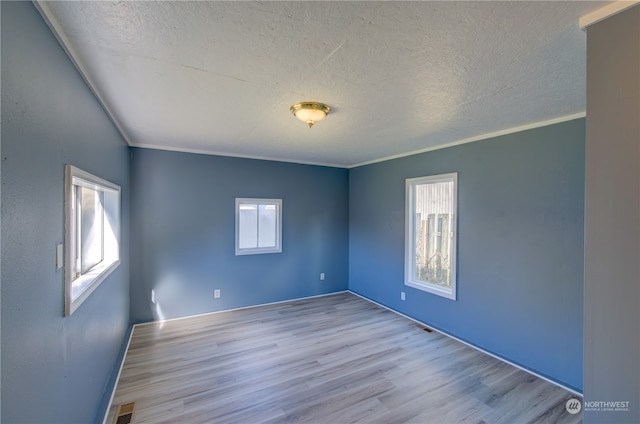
(183, 234)
(520, 245)
(54, 369)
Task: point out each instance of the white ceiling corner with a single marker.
(218, 77)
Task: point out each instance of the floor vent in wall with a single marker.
(125, 413)
(423, 328)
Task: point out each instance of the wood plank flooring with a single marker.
(331, 359)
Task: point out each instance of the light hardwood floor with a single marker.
(331, 359)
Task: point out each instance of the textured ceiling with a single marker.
(219, 77)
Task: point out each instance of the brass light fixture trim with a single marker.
(310, 112)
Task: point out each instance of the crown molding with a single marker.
(605, 12)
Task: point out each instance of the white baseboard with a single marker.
(240, 308)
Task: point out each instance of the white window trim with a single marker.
(409, 260)
(259, 250)
(78, 290)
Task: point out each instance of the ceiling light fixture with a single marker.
(310, 112)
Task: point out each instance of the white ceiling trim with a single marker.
(605, 12)
(57, 31)
(229, 155)
(479, 138)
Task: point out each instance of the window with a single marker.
(430, 255)
(92, 230)
(258, 226)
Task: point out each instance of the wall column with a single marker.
(612, 220)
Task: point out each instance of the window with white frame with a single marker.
(92, 234)
(430, 254)
(258, 226)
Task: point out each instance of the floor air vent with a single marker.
(423, 328)
(125, 413)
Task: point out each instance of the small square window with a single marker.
(258, 226)
(92, 230)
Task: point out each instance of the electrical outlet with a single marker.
(322, 276)
(216, 294)
(401, 295)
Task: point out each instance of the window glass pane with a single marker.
(258, 226)
(248, 226)
(433, 231)
(267, 226)
(91, 229)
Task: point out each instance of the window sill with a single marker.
(257, 251)
(83, 286)
(432, 288)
